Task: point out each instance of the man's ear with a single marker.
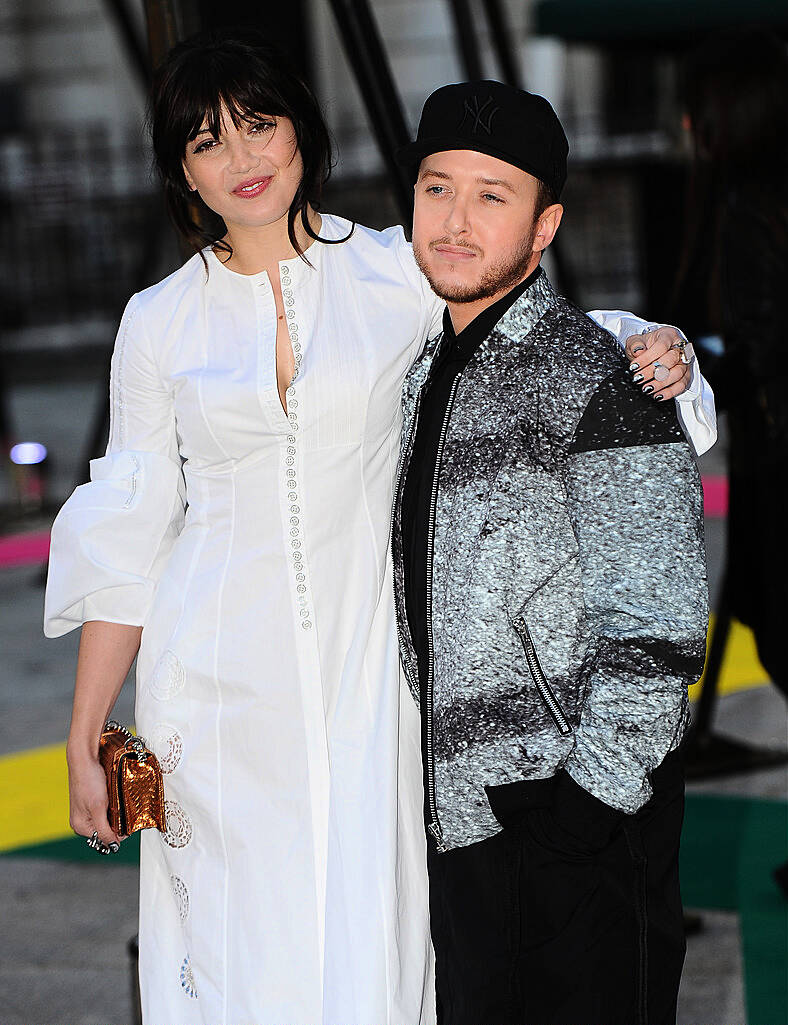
(547, 225)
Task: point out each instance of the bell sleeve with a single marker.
(112, 538)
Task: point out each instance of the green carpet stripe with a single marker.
(74, 848)
(730, 847)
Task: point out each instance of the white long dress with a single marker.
(290, 888)
(252, 546)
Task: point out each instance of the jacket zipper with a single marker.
(434, 825)
(539, 678)
(413, 677)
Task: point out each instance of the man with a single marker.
(548, 629)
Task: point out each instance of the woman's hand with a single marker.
(87, 788)
(661, 351)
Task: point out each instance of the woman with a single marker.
(238, 525)
(731, 283)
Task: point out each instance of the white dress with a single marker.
(252, 545)
(290, 888)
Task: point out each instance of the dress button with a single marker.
(294, 403)
(294, 426)
(289, 460)
(300, 577)
(285, 270)
(296, 544)
(289, 302)
(301, 588)
(295, 508)
(297, 346)
(294, 532)
(291, 449)
(292, 496)
(291, 440)
(306, 625)
(291, 474)
(294, 520)
(293, 416)
(304, 613)
(290, 314)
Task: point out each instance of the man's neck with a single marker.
(462, 314)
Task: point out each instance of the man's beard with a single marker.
(498, 278)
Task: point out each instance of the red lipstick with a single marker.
(252, 187)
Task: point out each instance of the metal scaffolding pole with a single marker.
(502, 42)
(370, 66)
(467, 40)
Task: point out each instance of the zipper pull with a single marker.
(435, 831)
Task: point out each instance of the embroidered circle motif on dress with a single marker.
(179, 828)
(181, 895)
(167, 744)
(167, 677)
(187, 979)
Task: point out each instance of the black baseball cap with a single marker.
(490, 117)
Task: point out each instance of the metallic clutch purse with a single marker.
(135, 787)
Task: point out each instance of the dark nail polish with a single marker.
(637, 378)
(638, 348)
(658, 398)
(634, 366)
(648, 389)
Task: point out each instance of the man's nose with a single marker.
(456, 222)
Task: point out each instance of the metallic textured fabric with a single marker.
(135, 786)
(569, 507)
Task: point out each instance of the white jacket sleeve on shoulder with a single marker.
(114, 534)
(695, 407)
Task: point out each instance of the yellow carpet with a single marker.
(34, 784)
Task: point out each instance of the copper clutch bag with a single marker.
(135, 787)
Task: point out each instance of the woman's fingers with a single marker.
(656, 365)
(88, 801)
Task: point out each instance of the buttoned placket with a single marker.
(294, 522)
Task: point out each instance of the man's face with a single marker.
(474, 224)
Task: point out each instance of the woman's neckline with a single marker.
(313, 251)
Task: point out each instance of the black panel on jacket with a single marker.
(619, 415)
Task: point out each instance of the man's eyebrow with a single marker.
(497, 181)
(429, 172)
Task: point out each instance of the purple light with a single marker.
(28, 453)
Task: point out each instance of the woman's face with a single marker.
(250, 174)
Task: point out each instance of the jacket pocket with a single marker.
(545, 692)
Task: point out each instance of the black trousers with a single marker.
(530, 930)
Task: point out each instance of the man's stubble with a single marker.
(500, 277)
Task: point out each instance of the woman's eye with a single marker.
(261, 127)
(203, 147)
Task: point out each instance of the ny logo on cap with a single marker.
(480, 113)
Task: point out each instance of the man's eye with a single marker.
(492, 198)
(436, 190)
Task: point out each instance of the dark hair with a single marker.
(735, 92)
(544, 197)
(241, 70)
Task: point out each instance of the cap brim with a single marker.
(410, 157)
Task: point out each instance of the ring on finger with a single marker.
(661, 372)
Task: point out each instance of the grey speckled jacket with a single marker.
(568, 597)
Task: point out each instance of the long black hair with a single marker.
(735, 93)
(241, 70)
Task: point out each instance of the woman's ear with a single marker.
(188, 177)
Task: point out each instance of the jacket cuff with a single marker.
(581, 814)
